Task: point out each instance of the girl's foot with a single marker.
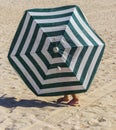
(63, 99)
(73, 102)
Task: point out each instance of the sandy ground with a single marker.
(20, 109)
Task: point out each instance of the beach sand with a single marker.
(20, 109)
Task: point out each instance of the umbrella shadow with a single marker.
(11, 102)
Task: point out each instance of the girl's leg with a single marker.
(75, 97)
(62, 99)
(74, 101)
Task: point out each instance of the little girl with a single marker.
(73, 102)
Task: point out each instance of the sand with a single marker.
(20, 109)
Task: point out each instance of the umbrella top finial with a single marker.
(55, 49)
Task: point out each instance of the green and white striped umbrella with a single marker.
(55, 51)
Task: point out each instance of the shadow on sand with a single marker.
(11, 102)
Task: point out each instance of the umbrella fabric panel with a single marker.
(79, 55)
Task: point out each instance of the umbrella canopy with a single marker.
(55, 51)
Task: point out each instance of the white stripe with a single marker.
(98, 41)
(54, 60)
(44, 68)
(54, 20)
(24, 29)
(73, 37)
(60, 80)
(56, 71)
(37, 41)
(45, 48)
(76, 54)
(65, 44)
(48, 81)
(61, 89)
(42, 91)
(67, 47)
(20, 35)
(46, 54)
(32, 67)
(29, 37)
(65, 54)
(75, 58)
(54, 29)
(57, 60)
(27, 75)
(91, 67)
(50, 13)
(79, 87)
(87, 41)
(40, 62)
(84, 61)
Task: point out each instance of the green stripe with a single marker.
(84, 31)
(55, 65)
(55, 33)
(43, 75)
(58, 75)
(53, 24)
(22, 76)
(48, 86)
(77, 35)
(46, 94)
(36, 32)
(17, 34)
(61, 48)
(62, 84)
(88, 64)
(81, 41)
(62, 93)
(70, 56)
(39, 49)
(59, 84)
(48, 34)
(33, 39)
(81, 14)
(52, 16)
(69, 40)
(50, 50)
(45, 60)
(95, 68)
(37, 66)
(55, 55)
(51, 9)
(30, 71)
(25, 36)
(84, 19)
(79, 60)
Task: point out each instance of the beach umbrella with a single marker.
(55, 51)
